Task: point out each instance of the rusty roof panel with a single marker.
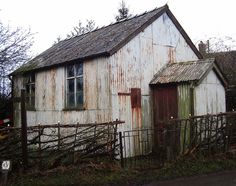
(183, 72)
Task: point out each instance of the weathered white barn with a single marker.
(115, 72)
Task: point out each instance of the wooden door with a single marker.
(165, 106)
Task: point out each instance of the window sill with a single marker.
(74, 109)
(30, 109)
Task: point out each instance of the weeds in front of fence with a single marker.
(110, 173)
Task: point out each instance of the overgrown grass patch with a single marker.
(110, 172)
(194, 166)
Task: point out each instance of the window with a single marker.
(74, 86)
(30, 91)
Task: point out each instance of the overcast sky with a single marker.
(49, 19)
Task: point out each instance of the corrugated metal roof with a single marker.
(101, 42)
(183, 72)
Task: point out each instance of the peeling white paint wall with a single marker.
(209, 96)
(50, 96)
(134, 65)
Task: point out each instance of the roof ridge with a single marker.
(194, 61)
(114, 23)
(220, 52)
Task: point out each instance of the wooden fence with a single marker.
(206, 134)
(52, 145)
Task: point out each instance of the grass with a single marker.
(110, 173)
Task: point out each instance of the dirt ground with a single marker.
(226, 178)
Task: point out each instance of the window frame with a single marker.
(29, 93)
(75, 78)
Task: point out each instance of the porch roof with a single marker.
(193, 71)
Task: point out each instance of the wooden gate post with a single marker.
(24, 131)
(121, 150)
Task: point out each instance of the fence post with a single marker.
(24, 131)
(115, 135)
(121, 150)
(40, 147)
(58, 135)
(228, 135)
(74, 150)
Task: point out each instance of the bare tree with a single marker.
(123, 12)
(79, 30)
(216, 44)
(222, 49)
(57, 40)
(14, 51)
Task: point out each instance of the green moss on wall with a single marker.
(184, 109)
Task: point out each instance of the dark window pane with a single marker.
(74, 85)
(79, 84)
(32, 78)
(79, 98)
(27, 89)
(29, 83)
(70, 100)
(26, 80)
(70, 86)
(70, 71)
(27, 100)
(32, 89)
(32, 101)
(79, 69)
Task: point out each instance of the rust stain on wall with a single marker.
(122, 97)
(136, 118)
(123, 94)
(136, 108)
(171, 55)
(120, 75)
(135, 97)
(53, 80)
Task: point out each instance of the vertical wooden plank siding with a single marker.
(184, 101)
(184, 109)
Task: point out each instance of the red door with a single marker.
(165, 106)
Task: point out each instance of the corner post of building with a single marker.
(24, 131)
